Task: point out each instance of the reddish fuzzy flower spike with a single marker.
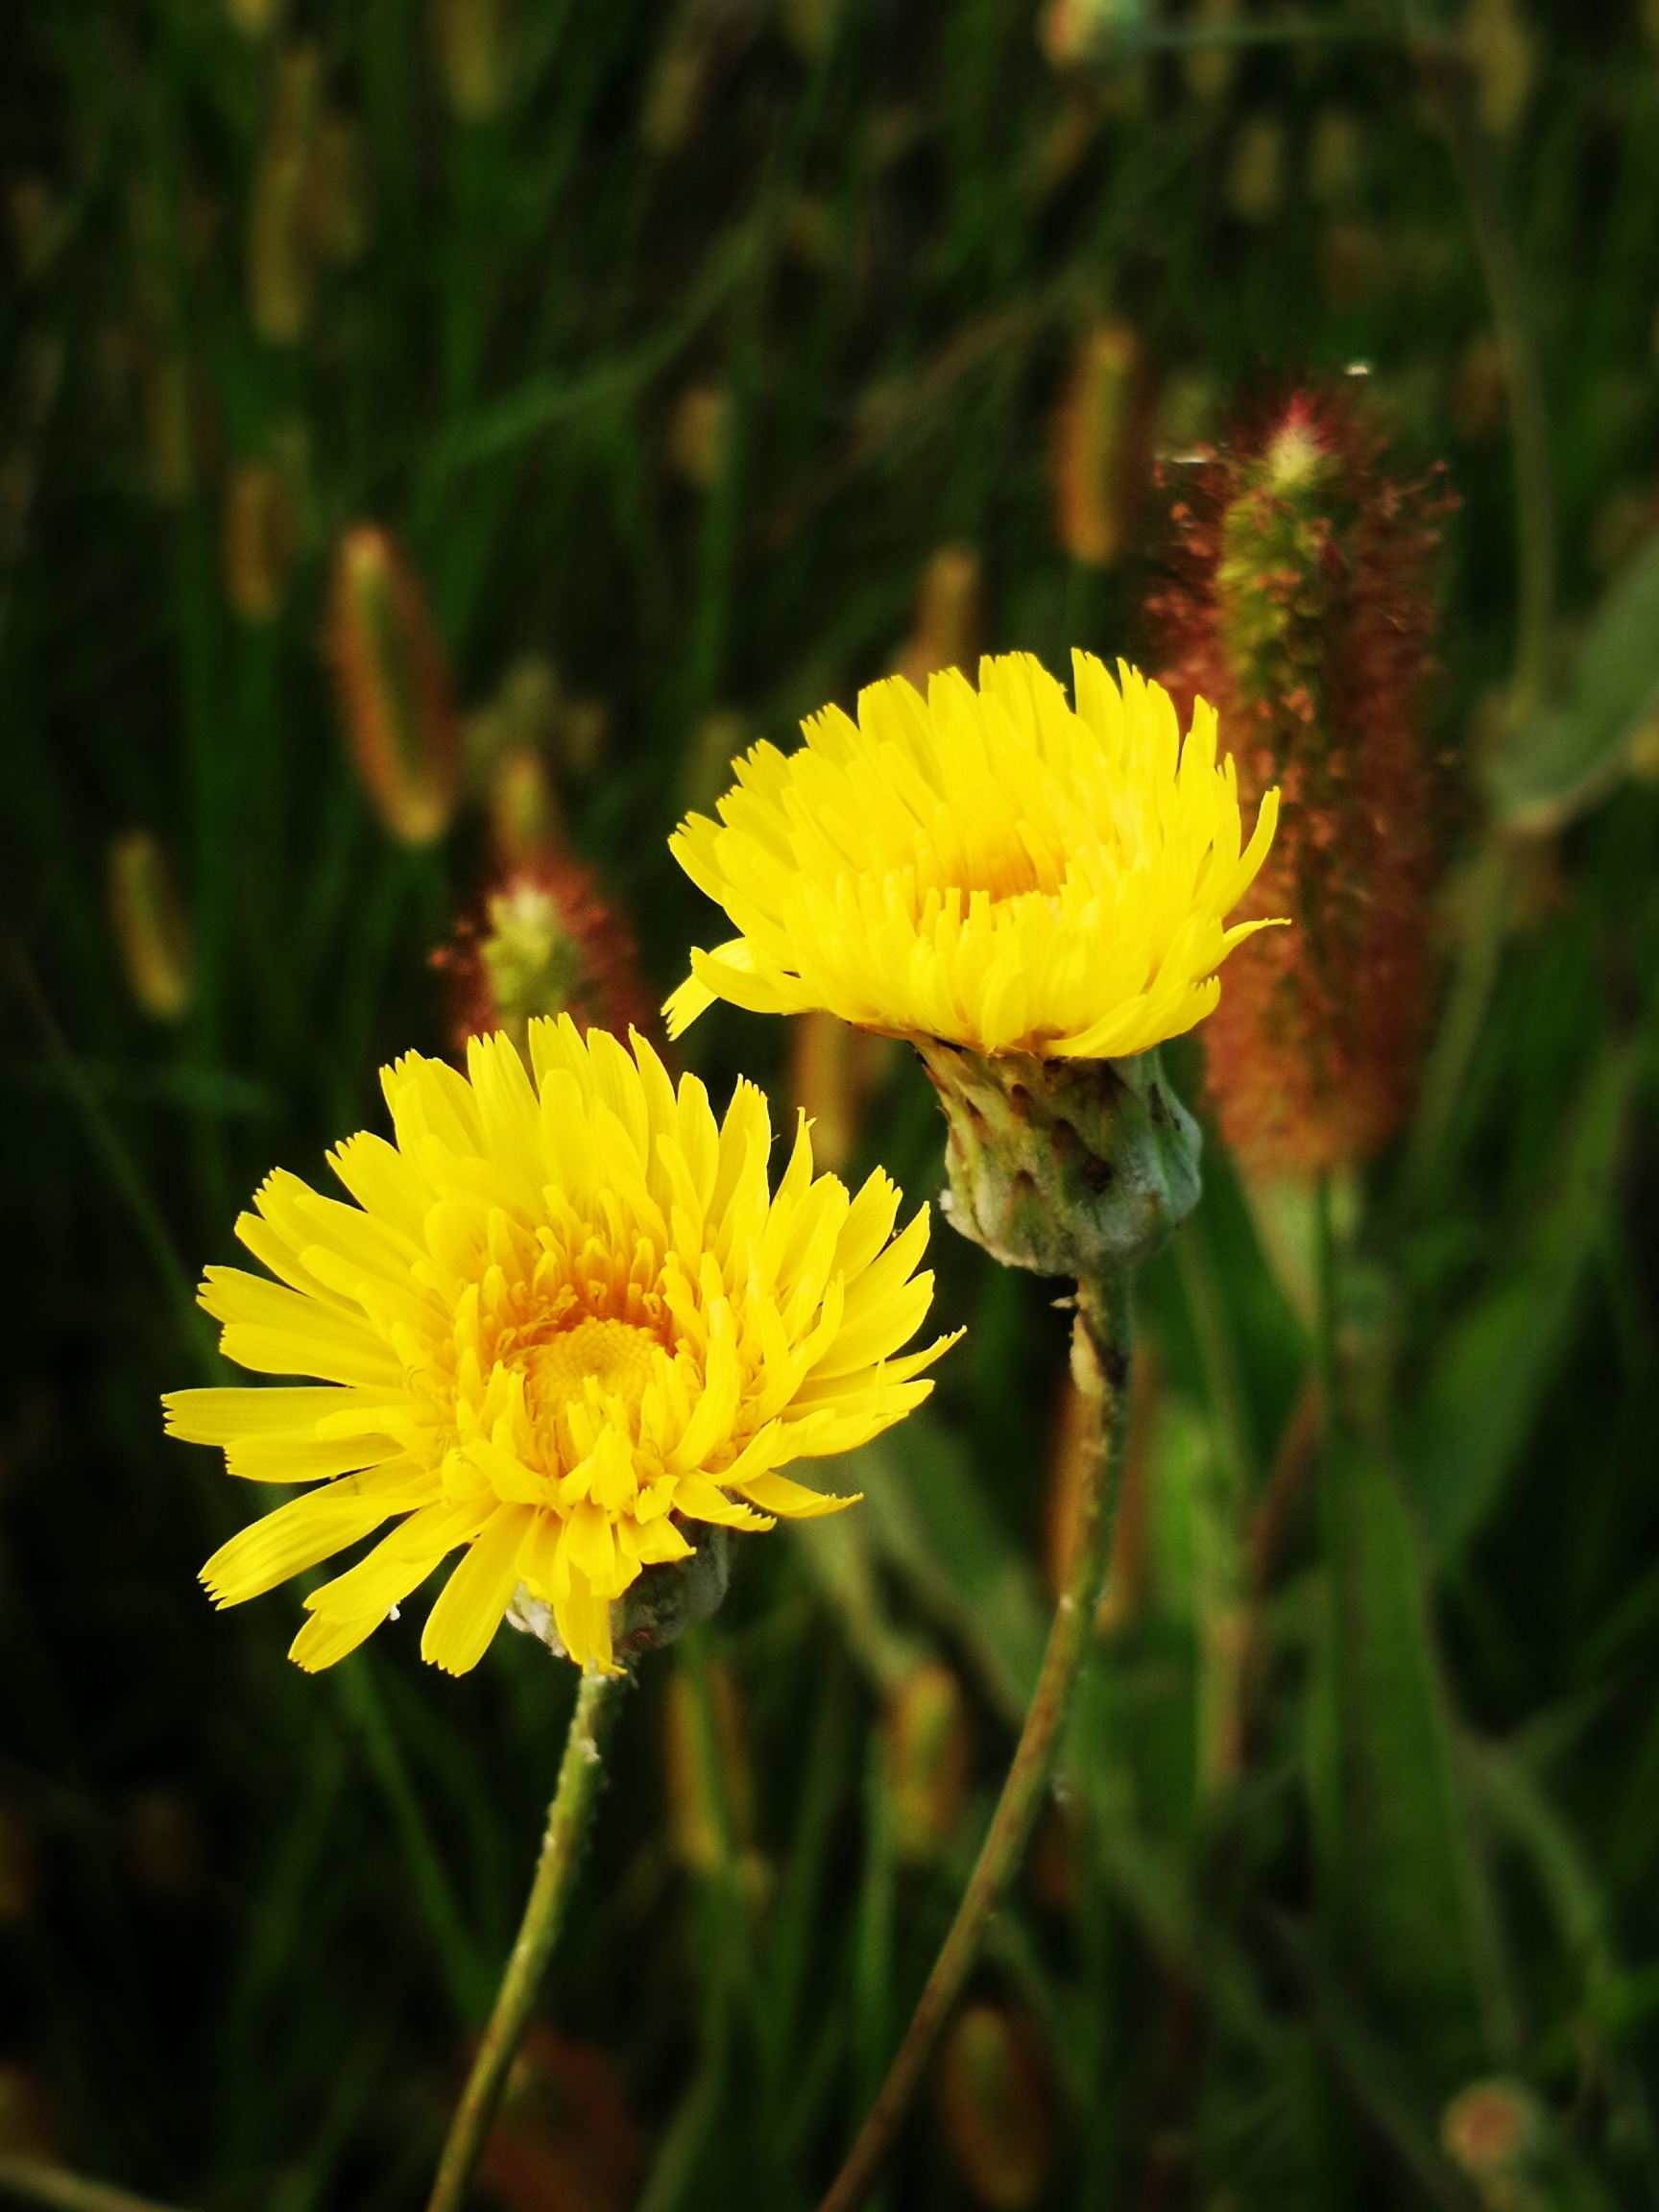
(545, 943)
(1300, 607)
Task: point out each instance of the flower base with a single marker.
(1065, 1167)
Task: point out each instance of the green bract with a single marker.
(1064, 1167)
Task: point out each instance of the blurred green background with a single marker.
(704, 358)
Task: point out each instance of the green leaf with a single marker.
(1519, 1808)
(1383, 2087)
(1498, 1359)
(1410, 1891)
(1575, 751)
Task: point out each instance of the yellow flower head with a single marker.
(991, 867)
(559, 1321)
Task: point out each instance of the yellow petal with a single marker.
(221, 1416)
(978, 865)
(472, 1604)
(793, 1501)
(300, 1534)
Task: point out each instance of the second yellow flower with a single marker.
(998, 867)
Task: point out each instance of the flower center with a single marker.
(616, 1354)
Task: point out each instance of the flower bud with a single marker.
(1302, 612)
(547, 944)
(665, 1601)
(993, 2108)
(1066, 1166)
(657, 1609)
(1099, 447)
(280, 277)
(474, 40)
(151, 931)
(394, 687)
(261, 538)
(926, 1749)
(948, 617)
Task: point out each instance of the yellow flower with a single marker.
(561, 1321)
(991, 868)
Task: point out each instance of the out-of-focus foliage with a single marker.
(706, 360)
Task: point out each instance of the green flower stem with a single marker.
(1100, 1364)
(567, 1818)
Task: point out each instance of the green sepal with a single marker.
(1064, 1167)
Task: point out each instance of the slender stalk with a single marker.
(567, 1818)
(1100, 1363)
(45, 2183)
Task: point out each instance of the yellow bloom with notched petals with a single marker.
(996, 868)
(563, 1320)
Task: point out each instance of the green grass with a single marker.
(264, 1910)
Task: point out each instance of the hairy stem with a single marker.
(1100, 1364)
(567, 1818)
